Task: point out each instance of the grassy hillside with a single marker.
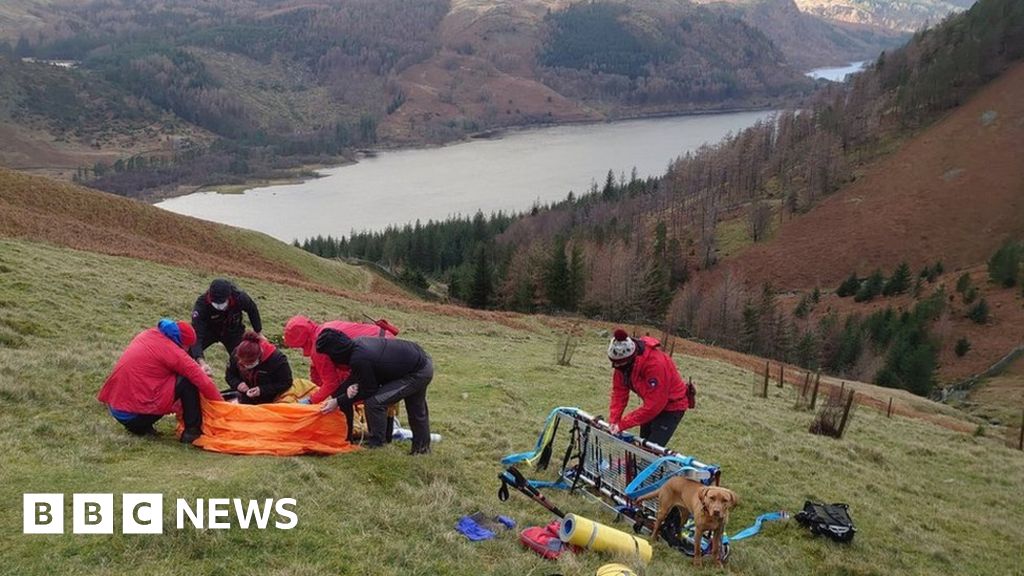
(916, 490)
(44, 210)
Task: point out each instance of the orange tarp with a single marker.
(275, 429)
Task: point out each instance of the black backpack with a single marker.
(832, 520)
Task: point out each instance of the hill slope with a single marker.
(40, 209)
(951, 192)
(382, 512)
(900, 15)
(286, 83)
(807, 40)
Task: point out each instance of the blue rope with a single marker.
(636, 488)
(756, 527)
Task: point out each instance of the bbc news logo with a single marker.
(143, 513)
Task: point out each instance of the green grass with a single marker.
(926, 500)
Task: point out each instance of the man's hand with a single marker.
(329, 406)
(352, 390)
(206, 367)
(614, 429)
(243, 388)
(253, 392)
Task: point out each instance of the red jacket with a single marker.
(655, 379)
(144, 377)
(322, 371)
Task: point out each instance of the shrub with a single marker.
(963, 346)
(963, 283)
(1004, 265)
(979, 313)
(900, 281)
(849, 286)
(872, 287)
(803, 308)
(970, 295)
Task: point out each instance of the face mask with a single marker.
(221, 306)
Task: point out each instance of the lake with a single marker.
(509, 173)
(837, 73)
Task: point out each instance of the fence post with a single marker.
(1020, 443)
(846, 412)
(888, 412)
(814, 395)
(782, 368)
(764, 392)
(807, 384)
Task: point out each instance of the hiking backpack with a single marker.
(832, 520)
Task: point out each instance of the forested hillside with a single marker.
(806, 40)
(140, 98)
(634, 250)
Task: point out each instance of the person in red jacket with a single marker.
(641, 367)
(301, 332)
(153, 374)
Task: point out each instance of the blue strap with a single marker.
(752, 530)
(635, 489)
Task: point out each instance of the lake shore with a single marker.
(307, 172)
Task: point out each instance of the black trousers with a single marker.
(413, 389)
(229, 338)
(188, 394)
(661, 429)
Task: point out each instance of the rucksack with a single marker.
(832, 520)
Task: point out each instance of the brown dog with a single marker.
(709, 506)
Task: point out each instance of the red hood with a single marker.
(299, 332)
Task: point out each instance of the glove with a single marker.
(304, 401)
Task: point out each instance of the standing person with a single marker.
(152, 375)
(641, 367)
(258, 371)
(301, 332)
(217, 317)
(382, 373)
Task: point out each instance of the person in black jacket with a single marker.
(258, 371)
(217, 317)
(383, 371)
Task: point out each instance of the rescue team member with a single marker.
(153, 374)
(301, 332)
(217, 317)
(641, 367)
(383, 372)
(258, 371)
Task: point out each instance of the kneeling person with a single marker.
(383, 371)
(153, 374)
(258, 371)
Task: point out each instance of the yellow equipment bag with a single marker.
(591, 535)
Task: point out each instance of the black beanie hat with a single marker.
(220, 290)
(336, 345)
